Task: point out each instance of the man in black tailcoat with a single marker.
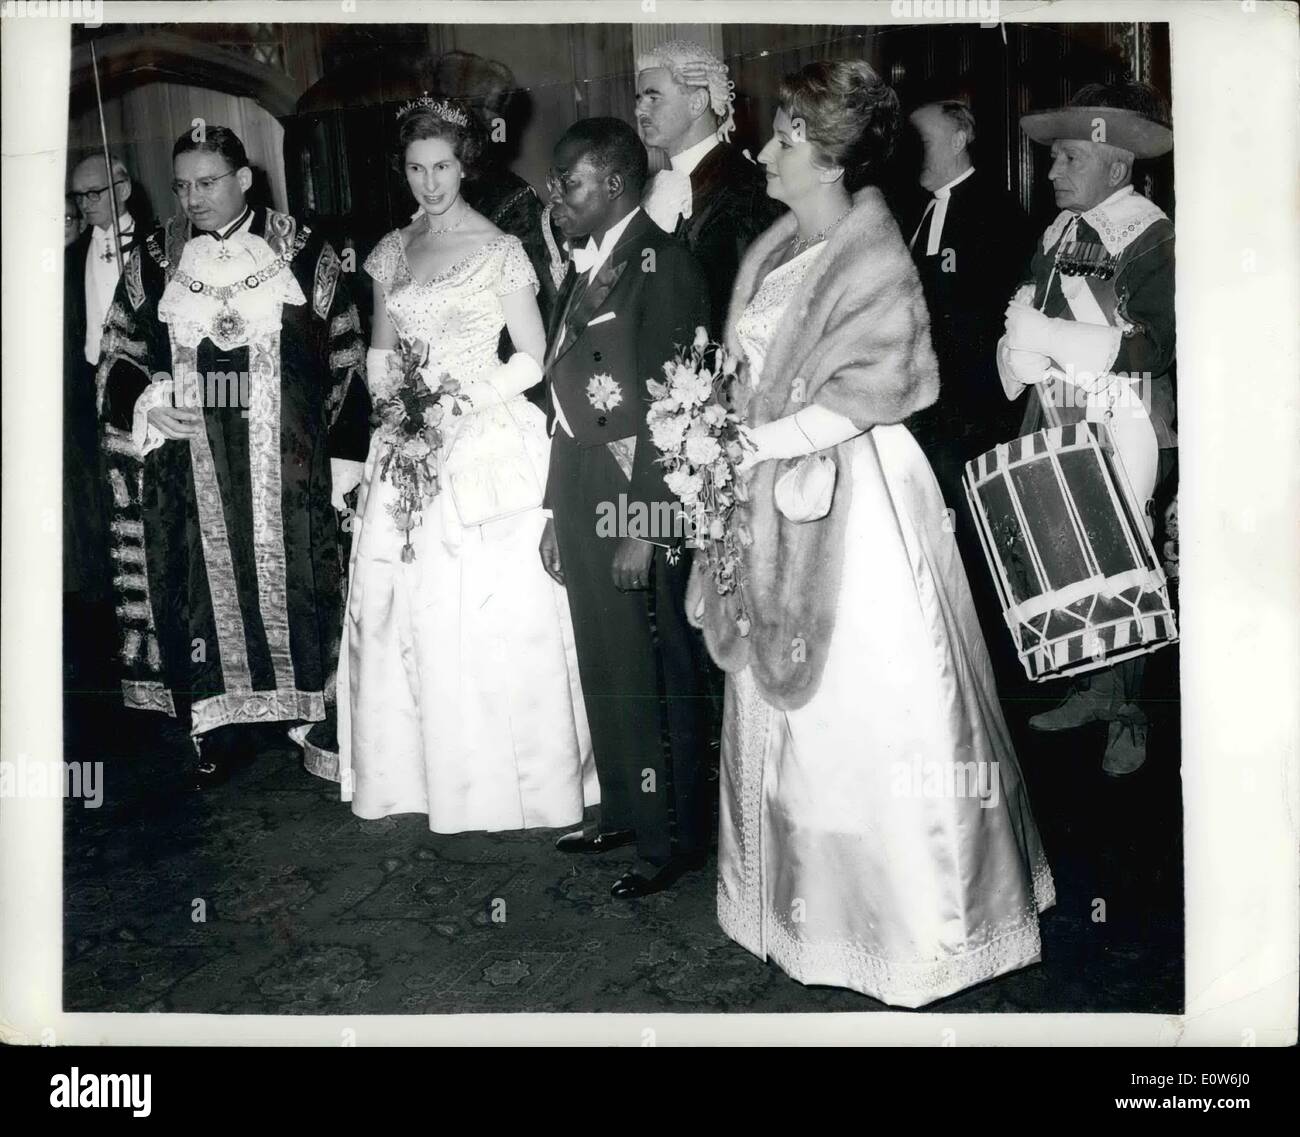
(631, 297)
(92, 267)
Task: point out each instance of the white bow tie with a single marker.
(584, 256)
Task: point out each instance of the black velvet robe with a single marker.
(229, 542)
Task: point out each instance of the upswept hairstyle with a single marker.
(850, 115)
(423, 121)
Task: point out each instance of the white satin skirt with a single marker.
(458, 676)
(880, 837)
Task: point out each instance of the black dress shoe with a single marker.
(221, 753)
(632, 885)
(580, 842)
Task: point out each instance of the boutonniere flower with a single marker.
(603, 392)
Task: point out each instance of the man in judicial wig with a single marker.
(712, 196)
(233, 382)
(632, 295)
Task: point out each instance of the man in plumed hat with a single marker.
(1093, 330)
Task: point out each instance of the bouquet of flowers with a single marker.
(700, 442)
(411, 421)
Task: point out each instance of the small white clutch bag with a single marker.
(805, 491)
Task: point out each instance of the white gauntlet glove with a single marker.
(1088, 349)
(1018, 368)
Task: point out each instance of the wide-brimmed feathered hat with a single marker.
(1118, 114)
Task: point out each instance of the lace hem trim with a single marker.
(903, 984)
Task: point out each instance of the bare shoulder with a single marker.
(477, 225)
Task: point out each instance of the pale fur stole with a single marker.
(854, 337)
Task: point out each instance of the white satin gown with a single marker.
(458, 678)
(880, 838)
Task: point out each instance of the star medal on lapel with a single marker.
(603, 392)
(228, 325)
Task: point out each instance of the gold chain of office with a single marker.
(226, 291)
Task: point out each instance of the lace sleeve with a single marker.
(516, 269)
(383, 259)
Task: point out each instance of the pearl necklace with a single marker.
(802, 244)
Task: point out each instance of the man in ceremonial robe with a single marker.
(232, 386)
(1093, 331)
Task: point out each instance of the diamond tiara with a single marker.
(440, 107)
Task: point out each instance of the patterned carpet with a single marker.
(267, 896)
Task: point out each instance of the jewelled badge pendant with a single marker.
(229, 325)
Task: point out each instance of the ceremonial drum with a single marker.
(1067, 544)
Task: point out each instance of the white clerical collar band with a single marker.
(945, 190)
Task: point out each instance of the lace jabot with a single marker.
(1119, 220)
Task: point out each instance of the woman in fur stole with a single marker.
(874, 829)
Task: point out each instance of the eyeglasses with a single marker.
(203, 185)
(92, 196)
(557, 183)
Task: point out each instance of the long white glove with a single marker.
(377, 381)
(512, 378)
(345, 476)
(811, 428)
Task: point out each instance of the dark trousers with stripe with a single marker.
(646, 706)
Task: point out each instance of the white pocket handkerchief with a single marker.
(601, 319)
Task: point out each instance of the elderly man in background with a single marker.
(92, 265)
(712, 196)
(1093, 330)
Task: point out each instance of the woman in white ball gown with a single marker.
(874, 829)
(459, 695)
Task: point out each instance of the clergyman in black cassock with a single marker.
(633, 297)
